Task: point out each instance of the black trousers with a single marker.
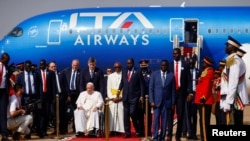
(3, 111)
(132, 110)
(204, 120)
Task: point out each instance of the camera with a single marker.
(32, 105)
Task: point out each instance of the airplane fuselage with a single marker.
(115, 34)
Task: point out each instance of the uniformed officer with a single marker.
(204, 96)
(232, 82)
(242, 94)
(146, 72)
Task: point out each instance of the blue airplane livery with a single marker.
(118, 33)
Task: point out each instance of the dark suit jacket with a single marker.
(62, 83)
(184, 78)
(159, 94)
(48, 84)
(67, 77)
(97, 80)
(20, 80)
(134, 89)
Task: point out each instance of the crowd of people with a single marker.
(28, 95)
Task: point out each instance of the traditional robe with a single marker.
(116, 109)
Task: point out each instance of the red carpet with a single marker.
(120, 138)
(113, 138)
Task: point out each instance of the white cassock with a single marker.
(86, 120)
(116, 109)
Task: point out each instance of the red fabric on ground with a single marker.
(113, 138)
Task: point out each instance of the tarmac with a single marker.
(69, 135)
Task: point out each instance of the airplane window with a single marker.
(246, 30)
(232, 31)
(92, 31)
(135, 31)
(107, 31)
(157, 31)
(224, 31)
(165, 31)
(128, 31)
(113, 31)
(99, 31)
(85, 31)
(209, 30)
(150, 31)
(239, 31)
(216, 30)
(143, 31)
(16, 32)
(121, 31)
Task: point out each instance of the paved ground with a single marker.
(70, 134)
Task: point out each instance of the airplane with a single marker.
(117, 33)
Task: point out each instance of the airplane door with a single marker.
(54, 32)
(176, 28)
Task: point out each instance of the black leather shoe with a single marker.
(45, 134)
(79, 134)
(195, 138)
(4, 138)
(16, 136)
(127, 136)
(178, 139)
(139, 134)
(27, 136)
(62, 132)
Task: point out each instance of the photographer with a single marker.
(18, 120)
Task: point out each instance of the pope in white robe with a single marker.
(115, 101)
(86, 114)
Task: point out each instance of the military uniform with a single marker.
(146, 73)
(233, 85)
(204, 96)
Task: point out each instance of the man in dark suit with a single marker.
(45, 95)
(72, 78)
(133, 93)
(182, 78)
(30, 81)
(93, 74)
(161, 97)
(4, 82)
(190, 107)
(59, 87)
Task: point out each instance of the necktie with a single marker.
(44, 81)
(29, 83)
(176, 76)
(91, 74)
(128, 77)
(72, 84)
(163, 78)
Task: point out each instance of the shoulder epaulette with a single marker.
(230, 61)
